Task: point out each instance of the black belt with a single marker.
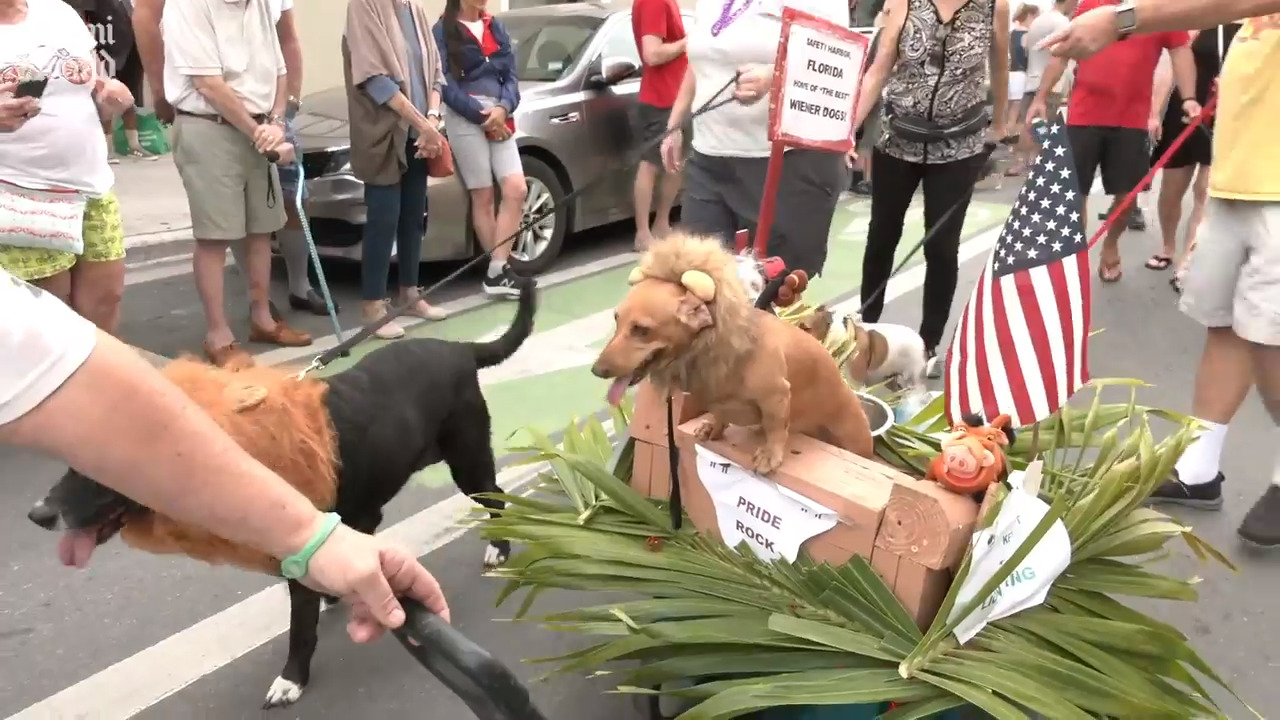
(214, 117)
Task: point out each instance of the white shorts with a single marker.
(1233, 278)
(1017, 86)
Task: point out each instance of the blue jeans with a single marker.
(395, 214)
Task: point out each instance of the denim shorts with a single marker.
(289, 173)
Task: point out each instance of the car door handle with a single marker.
(570, 117)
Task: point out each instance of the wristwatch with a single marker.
(1126, 19)
(293, 105)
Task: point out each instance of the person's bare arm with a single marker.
(895, 13)
(999, 61)
(150, 43)
(683, 105)
(282, 84)
(291, 49)
(223, 99)
(653, 51)
(1161, 86)
(1183, 64)
(1052, 75)
(118, 420)
(1160, 15)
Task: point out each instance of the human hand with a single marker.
(14, 111)
(996, 133)
(370, 573)
(1037, 110)
(286, 154)
(1191, 110)
(753, 83)
(428, 144)
(495, 118)
(1085, 35)
(163, 110)
(1155, 127)
(851, 157)
(672, 150)
(267, 136)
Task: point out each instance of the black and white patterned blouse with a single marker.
(940, 73)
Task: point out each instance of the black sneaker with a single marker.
(1137, 220)
(863, 188)
(505, 284)
(1261, 526)
(1206, 496)
(933, 366)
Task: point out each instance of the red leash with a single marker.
(1129, 199)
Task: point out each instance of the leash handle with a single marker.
(487, 686)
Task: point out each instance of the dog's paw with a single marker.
(767, 458)
(709, 430)
(494, 556)
(282, 693)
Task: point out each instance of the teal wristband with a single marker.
(295, 566)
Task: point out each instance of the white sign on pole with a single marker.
(819, 74)
(773, 520)
(1028, 585)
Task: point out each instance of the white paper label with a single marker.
(1028, 585)
(822, 76)
(773, 520)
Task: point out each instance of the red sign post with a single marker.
(814, 97)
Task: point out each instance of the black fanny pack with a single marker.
(913, 128)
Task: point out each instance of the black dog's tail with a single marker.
(493, 352)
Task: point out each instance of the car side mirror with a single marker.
(612, 70)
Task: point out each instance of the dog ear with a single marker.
(700, 284)
(694, 313)
(877, 349)
(635, 276)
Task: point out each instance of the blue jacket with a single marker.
(494, 76)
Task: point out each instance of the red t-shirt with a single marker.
(1113, 88)
(659, 84)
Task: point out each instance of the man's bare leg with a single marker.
(1261, 524)
(208, 264)
(646, 181)
(668, 189)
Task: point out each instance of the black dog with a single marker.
(400, 409)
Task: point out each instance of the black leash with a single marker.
(343, 348)
(770, 293)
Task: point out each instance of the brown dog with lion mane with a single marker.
(687, 325)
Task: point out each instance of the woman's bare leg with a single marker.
(1173, 188)
(96, 292)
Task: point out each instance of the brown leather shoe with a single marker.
(281, 334)
(229, 357)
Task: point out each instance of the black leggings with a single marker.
(893, 183)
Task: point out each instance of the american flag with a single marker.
(1022, 347)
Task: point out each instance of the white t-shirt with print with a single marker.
(738, 130)
(42, 343)
(62, 147)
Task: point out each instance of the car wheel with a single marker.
(538, 245)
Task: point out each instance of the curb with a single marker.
(148, 247)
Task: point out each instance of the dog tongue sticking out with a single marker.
(617, 390)
(75, 547)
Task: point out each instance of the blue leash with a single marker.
(311, 247)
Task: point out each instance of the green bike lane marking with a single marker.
(546, 384)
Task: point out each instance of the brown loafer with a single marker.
(281, 334)
(229, 357)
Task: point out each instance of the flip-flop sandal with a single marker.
(1159, 262)
(1110, 273)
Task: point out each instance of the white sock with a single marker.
(1200, 463)
(297, 259)
(496, 267)
(132, 137)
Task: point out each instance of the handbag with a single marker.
(441, 166)
(923, 130)
(43, 219)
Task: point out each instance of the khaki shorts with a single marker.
(232, 190)
(1233, 279)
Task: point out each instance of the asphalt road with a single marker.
(62, 629)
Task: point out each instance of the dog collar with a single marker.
(295, 566)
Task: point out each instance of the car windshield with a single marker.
(546, 46)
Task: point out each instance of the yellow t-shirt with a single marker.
(1246, 154)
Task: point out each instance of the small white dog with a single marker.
(885, 351)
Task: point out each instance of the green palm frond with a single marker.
(759, 634)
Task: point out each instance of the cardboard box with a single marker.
(651, 471)
(912, 533)
(649, 418)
